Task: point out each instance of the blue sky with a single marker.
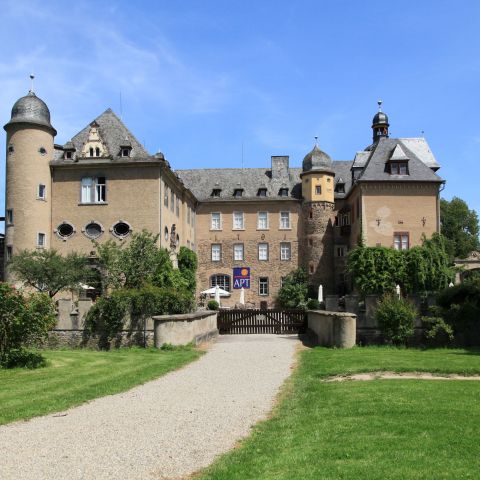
(199, 79)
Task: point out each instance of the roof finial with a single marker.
(316, 140)
(32, 76)
(379, 105)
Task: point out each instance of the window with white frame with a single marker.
(263, 286)
(216, 221)
(263, 251)
(284, 220)
(401, 241)
(42, 191)
(262, 221)
(216, 252)
(285, 251)
(40, 240)
(94, 190)
(238, 252)
(223, 281)
(238, 223)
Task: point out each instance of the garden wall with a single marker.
(332, 329)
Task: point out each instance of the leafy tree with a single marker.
(294, 291)
(459, 225)
(187, 264)
(49, 272)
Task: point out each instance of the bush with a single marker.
(437, 331)
(23, 321)
(293, 293)
(21, 358)
(313, 304)
(213, 305)
(460, 308)
(108, 316)
(396, 319)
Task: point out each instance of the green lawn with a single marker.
(381, 429)
(75, 376)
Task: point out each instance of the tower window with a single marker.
(40, 240)
(318, 190)
(42, 151)
(10, 149)
(283, 192)
(9, 216)
(41, 193)
(65, 230)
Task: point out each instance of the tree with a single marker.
(294, 291)
(460, 226)
(48, 271)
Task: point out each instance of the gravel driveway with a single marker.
(167, 428)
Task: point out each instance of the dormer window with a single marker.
(238, 193)
(97, 152)
(91, 151)
(125, 152)
(283, 192)
(398, 168)
(68, 154)
(262, 192)
(216, 192)
(340, 187)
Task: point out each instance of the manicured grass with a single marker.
(380, 429)
(75, 376)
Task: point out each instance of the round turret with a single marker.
(317, 160)
(31, 109)
(380, 124)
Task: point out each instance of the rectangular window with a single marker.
(188, 215)
(262, 221)
(216, 221)
(318, 190)
(284, 220)
(165, 197)
(263, 251)
(238, 252)
(263, 286)
(223, 281)
(401, 241)
(285, 251)
(10, 216)
(93, 190)
(40, 240)
(283, 192)
(398, 168)
(238, 223)
(238, 192)
(177, 207)
(172, 200)
(341, 250)
(9, 252)
(345, 219)
(216, 252)
(42, 190)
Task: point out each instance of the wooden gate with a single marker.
(261, 321)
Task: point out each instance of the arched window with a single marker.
(97, 152)
(223, 281)
(91, 151)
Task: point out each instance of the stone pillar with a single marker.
(371, 302)
(331, 303)
(351, 304)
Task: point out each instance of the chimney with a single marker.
(280, 167)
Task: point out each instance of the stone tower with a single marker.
(28, 179)
(318, 214)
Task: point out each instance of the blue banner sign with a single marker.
(241, 277)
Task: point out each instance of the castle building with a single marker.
(250, 227)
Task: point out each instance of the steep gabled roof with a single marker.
(382, 152)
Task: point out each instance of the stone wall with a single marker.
(197, 327)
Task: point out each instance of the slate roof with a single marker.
(113, 132)
(381, 153)
(203, 182)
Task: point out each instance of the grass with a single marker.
(380, 429)
(73, 377)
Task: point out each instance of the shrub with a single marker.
(108, 317)
(395, 318)
(23, 321)
(436, 329)
(293, 293)
(313, 304)
(213, 305)
(21, 358)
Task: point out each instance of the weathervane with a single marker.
(32, 76)
(379, 105)
(316, 140)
